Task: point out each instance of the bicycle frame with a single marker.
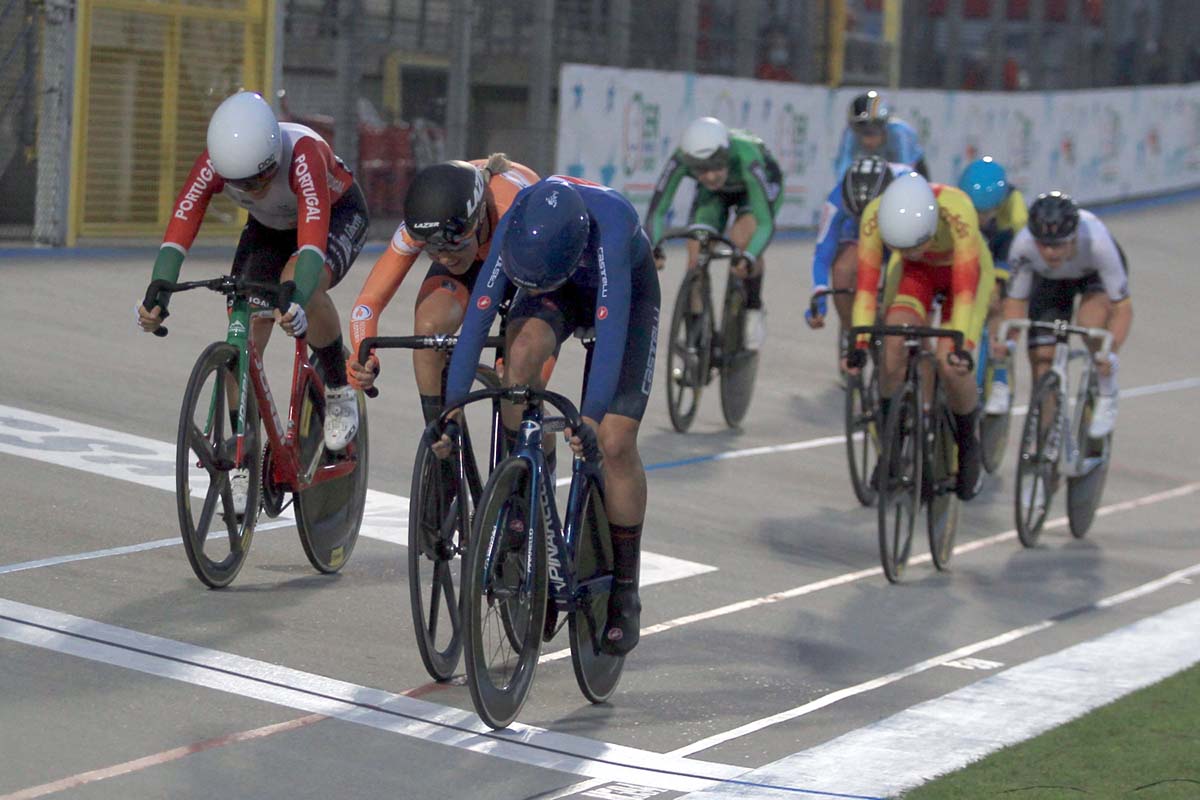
(1072, 459)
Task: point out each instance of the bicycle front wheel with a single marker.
(329, 513)
(1084, 489)
(739, 366)
(205, 464)
(689, 351)
(941, 464)
(596, 672)
(1037, 461)
(899, 481)
(504, 595)
(862, 432)
(437, 521)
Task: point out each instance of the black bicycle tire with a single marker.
(993, 428)
(440, 661)
(597, 673)
(681, 420)
(739, 366)
(942, 506)
(1029, 526)
(499, 706)
(215, 358)
(1084, 491)
(892, 554)
(858, 452)
(329, 551)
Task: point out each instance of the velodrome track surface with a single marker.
(777, 661)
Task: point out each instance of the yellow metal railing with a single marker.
(147, 77)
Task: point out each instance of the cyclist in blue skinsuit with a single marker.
(578, 253)
(872, 130)
(835, 259)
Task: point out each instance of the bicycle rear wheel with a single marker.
(993, 428)
(739, 366)
(862, 432)
(329, 513)
(596, 672)
(1037, 461)
(436, 521)
(504, 595)
(941, 463)
(204, 461)
(689, 352)
(1084, 490)
(899, 481)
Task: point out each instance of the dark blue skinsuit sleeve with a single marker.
(492, 283)
(618, 224)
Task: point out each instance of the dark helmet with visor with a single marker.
(444, 204)
(1053, 217)
(547, 230)
(865, 180)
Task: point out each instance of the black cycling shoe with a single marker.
(970, 469)
(623, 629)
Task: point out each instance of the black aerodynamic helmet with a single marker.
(865, 180)
(868, 110)
(1053, 217)
(444, 202)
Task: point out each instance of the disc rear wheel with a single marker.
(739, 366)
(596, 672)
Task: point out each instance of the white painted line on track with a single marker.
(147, 462)
(362, 705)
(986, 644)
(963, 726)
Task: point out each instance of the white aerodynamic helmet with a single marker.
(243, 137)
(908, 212)
(705, 144)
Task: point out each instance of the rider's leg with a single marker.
(998, 399)
(1097, 311)
(755, 332)
(842, 276)
(440, 307)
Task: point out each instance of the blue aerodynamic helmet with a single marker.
(547, 232)
(985, 182)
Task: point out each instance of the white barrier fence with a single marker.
(619, 127)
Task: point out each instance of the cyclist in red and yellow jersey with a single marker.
(450, 212)
(933, 233)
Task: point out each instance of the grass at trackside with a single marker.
(1144, 746)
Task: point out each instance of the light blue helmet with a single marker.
(985, 182)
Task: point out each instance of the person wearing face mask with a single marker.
(1066, 251)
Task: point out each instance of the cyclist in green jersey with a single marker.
(734, 171)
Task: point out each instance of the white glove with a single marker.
(295, 321)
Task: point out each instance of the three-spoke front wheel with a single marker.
(216, 537)
(862, 432)
(899, 481)
(1037, 461)
(689, 350)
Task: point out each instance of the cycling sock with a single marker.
(627, 548)
(332, 360)
(1000, 374)
(754, 292)
(965, 427)
(431, 407)
(885, 408)
(1108, 383)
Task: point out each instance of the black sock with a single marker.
(885, 407)
(754, 287)
(627, 548)
(431, 407)
(331, 359)
(965, 426)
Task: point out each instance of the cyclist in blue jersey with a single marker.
(580, 258)
(835, 260)
(872, 130)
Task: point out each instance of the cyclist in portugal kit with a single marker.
(734, 171)
(308, 222)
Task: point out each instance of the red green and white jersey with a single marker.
(299, 197)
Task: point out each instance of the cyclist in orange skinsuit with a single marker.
(450, 212)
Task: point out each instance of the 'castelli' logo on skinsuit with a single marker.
(195, 191)
(308, 192)
(483, 303)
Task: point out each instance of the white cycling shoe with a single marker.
(756, 328)
(341, 416)
(1104, 416)
(239, 487)
(998, 400)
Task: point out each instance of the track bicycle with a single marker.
(1054, 442)
(526, 567)
(861, 416)
(918, 461)
(443, 495)
(228, 386)
(993, 428)
(700, 346)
